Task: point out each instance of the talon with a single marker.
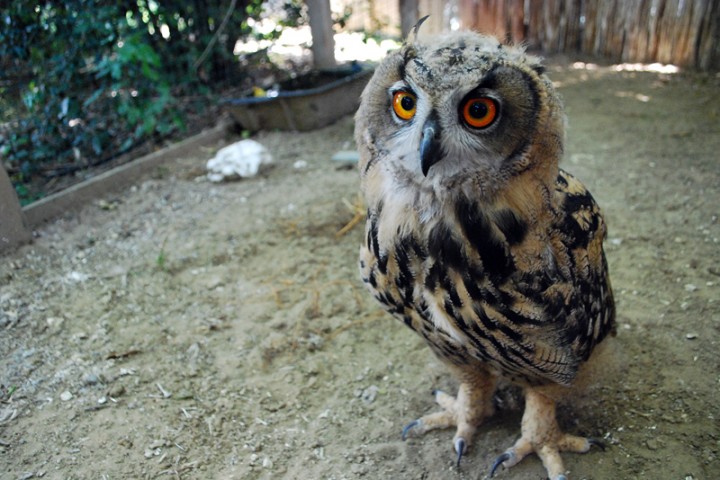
(597, 443)
(460, 447)
(504, 457)
(409, 427)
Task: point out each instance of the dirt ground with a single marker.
(192, 330)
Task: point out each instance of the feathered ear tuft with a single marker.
(412, 36)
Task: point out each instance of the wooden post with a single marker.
(12, 226)
(321, 26)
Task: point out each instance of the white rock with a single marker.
(242, 159)
(66, 396)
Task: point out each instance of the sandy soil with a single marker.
(190, 330)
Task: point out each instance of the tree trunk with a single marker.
(12, 225)
(321, 26)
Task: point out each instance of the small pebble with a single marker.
(157, 443)
(54, 322)
(116, 391)
(77, 277)
(66, 396)
(690, 287)
(149, 453)
(369, 394)
(348, 156)
(691, 336)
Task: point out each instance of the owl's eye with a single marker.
(404, 104)
(479, 112)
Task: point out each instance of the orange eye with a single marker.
(479, 112)
(404, 104)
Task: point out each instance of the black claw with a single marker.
(499, 461)
(597, 443)
(409, 427)
(460, 447)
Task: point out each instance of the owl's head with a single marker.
(459, 113)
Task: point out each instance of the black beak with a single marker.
(430, 144)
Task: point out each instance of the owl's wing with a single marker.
(571, 298)
(582, 231)
(539, 324)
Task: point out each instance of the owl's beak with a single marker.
(430, 144)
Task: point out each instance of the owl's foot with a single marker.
(541, 434)
(466, 412)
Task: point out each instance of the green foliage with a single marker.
(85, 80)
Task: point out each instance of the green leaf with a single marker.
(96, 145)
(95, 95)
(149, 72)
(116, 70)
(129, 142)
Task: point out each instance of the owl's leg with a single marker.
(542, 435)
(467, 411)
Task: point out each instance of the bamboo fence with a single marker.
(681, 32)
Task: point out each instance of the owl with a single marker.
(476, 239)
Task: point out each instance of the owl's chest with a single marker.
(434, 279)
(427, 273)
(395, 271)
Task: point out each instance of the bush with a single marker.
(84, 81)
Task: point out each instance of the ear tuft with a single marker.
(414, 30)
